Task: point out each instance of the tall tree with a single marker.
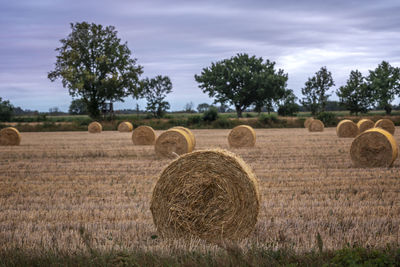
(273, 89)
(95, 66)
(239, 80)
(310, 99)
(316, 91)
(155, 91)
(384, 82)
(355, 96)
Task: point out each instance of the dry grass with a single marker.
(62, 190)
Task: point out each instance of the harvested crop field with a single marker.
(73, 190)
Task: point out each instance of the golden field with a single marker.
(73, 190)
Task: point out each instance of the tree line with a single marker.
(96, 68)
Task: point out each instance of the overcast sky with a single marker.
(179, 38)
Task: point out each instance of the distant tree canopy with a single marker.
(189, 107)
(55, 111)
(95, 66)
(355, 96)
(288, 106)
(384, 83)
(6, 110)
(333, 106)
(77, 107)
(242, 81)
(155, 91)
(316, 91)
(202, 107)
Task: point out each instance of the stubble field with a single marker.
(73, 191)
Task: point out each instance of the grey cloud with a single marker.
(179, 38)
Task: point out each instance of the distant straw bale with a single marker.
(189, 132)
(208, 194)
(144, 136)
(125, 127)
(242, 136)
(316, 126)
(365, 124)
(374, 148)
(173, 141)
(386, 124)
(10, 137)
(95, 127)
(346, 129)
(307, 122)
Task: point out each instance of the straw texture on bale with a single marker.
(307, 122)
(144, 136)
(189, 132)
(95, 127)
(173, 141)
(10, 137)
(346, 128)
(209, 194)
(374, 148)
(242, 136)
(316, 126)
(386, 125)
(125, 127)
(365, 124)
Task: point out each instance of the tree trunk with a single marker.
(239, 112)
(93, 108)
(388, 109)
(323, 106)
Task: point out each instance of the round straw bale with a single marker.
(10, 137)
(316, 126)
(242, 136)
(189, 132)
(209, 194)
(385, 124)
(374, 148)
(365, 124)
(125, 127)
(307, 122)
(95, 127)
(346, 128)
(173, 141)
(144, 135)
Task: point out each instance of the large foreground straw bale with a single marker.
(374, 148)
(172, 142)
(242, 136)
(316, 126)
(95, 127)
(144, 136)
(346, 129)
(209, 194)
(10, 137)
(125, 127)
(189, 132)
(386, 124)
(307, 122)
(365, 124)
